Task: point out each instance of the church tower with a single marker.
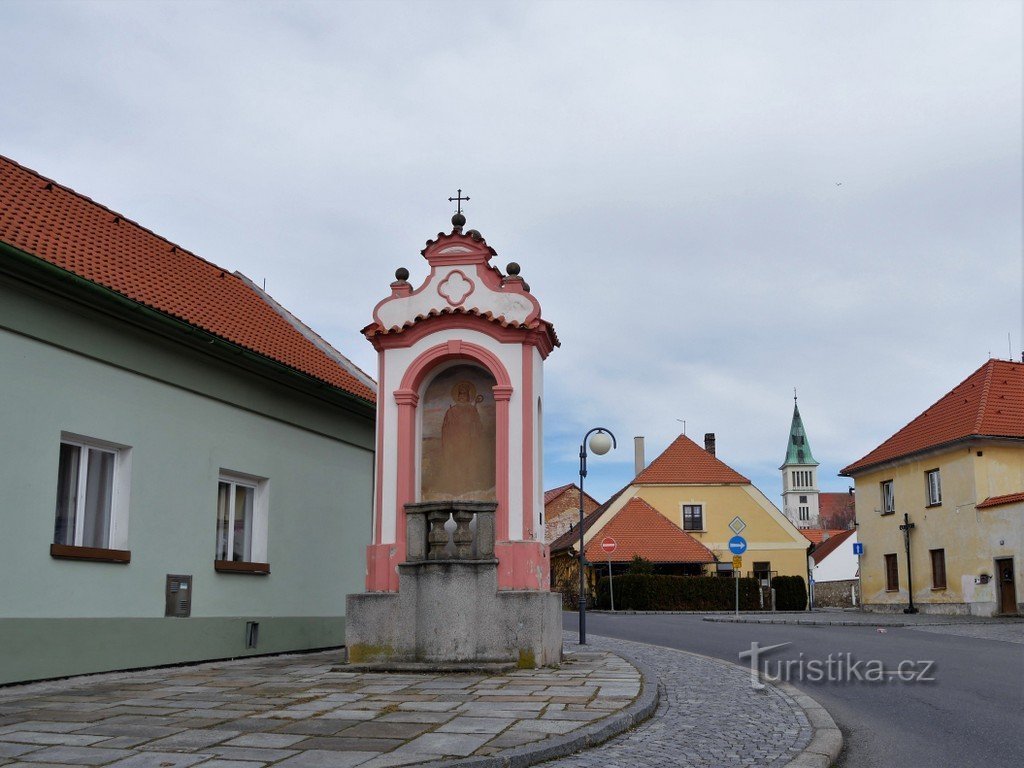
(800, 477)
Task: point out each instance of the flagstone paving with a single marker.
(303, 711)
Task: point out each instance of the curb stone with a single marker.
(587, 737)
(827, 742)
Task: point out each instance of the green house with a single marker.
(187, 469)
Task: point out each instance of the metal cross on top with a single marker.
(458, 199)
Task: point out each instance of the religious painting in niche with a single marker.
(458, 457)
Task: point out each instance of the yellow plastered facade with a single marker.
(770, 536)
(972, 539)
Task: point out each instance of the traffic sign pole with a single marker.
(611, 591)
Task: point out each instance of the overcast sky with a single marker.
(713, 202)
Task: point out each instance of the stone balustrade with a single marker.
(449, 530)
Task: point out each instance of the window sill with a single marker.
(231, 566)
(68, 552)
(887, 514)
(939, 589)
(892, 590)
(931, 506)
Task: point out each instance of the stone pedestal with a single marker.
(448, 610)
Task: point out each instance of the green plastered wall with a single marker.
(186, 416)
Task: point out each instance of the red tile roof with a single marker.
(834, 508)
(554, 493)
(640, 529)
(817, 535)
(684, 462)
(70, 231)
(995, 501)
(829, 545)
(988, 403)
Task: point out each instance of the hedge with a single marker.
(651, 592)
(790, 593)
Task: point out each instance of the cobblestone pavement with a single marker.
(302, 711)
(709, 715)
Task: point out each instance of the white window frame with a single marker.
(682, 516)
(888, 497)
(933, 487)
(117, 537)
(260, 514)
(804, 513)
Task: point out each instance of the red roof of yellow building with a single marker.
(641, 530)
(684, 462)
(988, 403)
(58, 225)
(996, 501)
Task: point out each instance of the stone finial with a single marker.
(512, 269)
(401, 274)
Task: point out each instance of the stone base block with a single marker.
(451, 612)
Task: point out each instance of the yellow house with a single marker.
(956, 475)
(701, 495)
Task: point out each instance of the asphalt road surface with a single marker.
(970, 714)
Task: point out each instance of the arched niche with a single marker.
(458, 434)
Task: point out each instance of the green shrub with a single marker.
(651, 592)
(640, 565)
(790, 593)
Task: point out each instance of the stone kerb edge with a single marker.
(641, 708)
(827, 741)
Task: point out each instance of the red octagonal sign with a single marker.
(608, 544)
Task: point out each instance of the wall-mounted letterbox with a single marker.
(178, 596)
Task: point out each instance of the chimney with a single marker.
(709, 442)
(638, 454)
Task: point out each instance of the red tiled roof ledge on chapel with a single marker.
(640, 529)
(684, 462)
(59, 226)
(988, 403)
(998, 501)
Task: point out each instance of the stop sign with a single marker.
(608, 544)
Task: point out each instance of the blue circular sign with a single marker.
(737, 545)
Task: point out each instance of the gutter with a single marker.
(846, 472)
(34, 270)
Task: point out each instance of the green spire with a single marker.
(798, 451)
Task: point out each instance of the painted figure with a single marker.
(467, 466)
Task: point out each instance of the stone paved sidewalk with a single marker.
(303, 711)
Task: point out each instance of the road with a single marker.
(971, 714)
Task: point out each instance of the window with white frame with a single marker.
(693, 517)
(92, 496)
(805, 513)
(934, 487)
(241, 519)
(888, 498)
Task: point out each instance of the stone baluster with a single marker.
(437, 537)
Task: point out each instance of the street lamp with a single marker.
(601, 442)
(907, 527)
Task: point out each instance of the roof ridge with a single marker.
(117, 214)
(983, 397)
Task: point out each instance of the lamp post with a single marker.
(907, 527)
(601, 442)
